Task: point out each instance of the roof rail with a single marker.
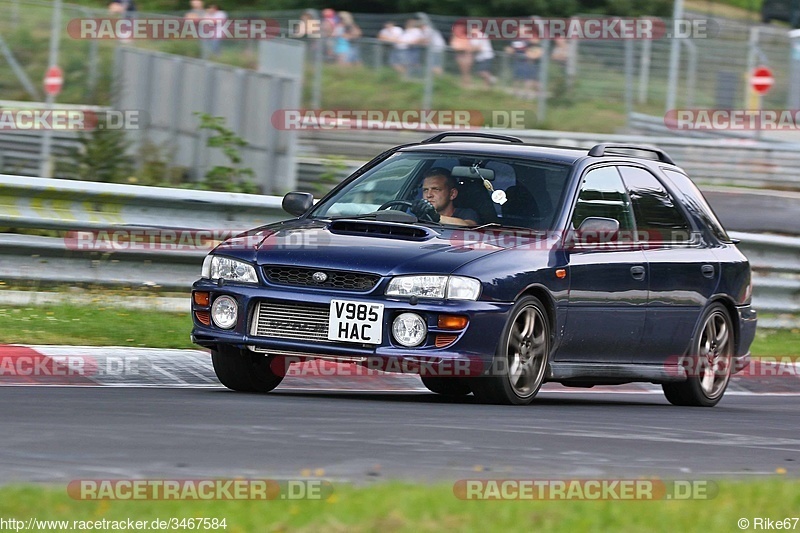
(439, 137)
(600, 150)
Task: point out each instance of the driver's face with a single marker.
(436, 191)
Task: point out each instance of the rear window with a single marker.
(699, 203)
(657, 215)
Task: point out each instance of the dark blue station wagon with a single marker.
(489, 267)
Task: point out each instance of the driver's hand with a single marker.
(422, 208)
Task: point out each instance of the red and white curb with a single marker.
(157, 367)
(115, 366)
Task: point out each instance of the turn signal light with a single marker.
(201, 298)
(452, 322)
(204, 317)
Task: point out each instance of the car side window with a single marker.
(603, 195)
(658, 218)
(701, 206)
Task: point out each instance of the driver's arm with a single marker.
(457, 221)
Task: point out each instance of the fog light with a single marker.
(409, 329)
(224, 312)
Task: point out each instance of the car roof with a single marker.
(524, 151)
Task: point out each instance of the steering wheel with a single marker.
(390, 203)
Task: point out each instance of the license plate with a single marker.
(355, 322)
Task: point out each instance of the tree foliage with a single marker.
(478, 8)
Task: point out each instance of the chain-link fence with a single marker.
(588, 78)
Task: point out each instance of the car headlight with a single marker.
(217, 267)
(461, 288)
(449, 287)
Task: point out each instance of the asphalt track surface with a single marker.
(57, 433)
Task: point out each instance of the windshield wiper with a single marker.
(384, 215)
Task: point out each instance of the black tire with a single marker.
(708, 363)
(523, 352)
(243, 370)
(447, 386)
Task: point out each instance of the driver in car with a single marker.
(438, 192)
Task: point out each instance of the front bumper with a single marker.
(473, 347)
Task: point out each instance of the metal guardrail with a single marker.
(737, 161)
(79, 205)
(775, 261)
(733, 160)
(73, 206)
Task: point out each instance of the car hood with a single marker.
(384, 248)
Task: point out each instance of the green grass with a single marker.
(103, 324)
(776, 343)
(402, 507)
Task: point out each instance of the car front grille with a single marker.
(334, 279)
(290, 321)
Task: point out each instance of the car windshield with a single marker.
(477, 189)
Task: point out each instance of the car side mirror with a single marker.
(297, 203)
(599, 225)
(594, 231)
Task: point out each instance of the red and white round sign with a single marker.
(762, 80)
(53, 80)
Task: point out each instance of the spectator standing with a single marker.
(327, 27)
(195, 14)
(309, 26)
(526, 55)
(391, 34)
(484, 56)
(560, 52)
(197, 10)
(126, 8)
(411, 45)
(345, 32)
(434, 40)
(218, 17)
(460, 43)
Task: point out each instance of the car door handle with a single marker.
(637, 272)
(707, 270)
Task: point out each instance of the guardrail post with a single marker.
(544, 67)
(316, 84)
(628, 81)
(691, 75)
(46, 169)
(644, 69)
(674, 57)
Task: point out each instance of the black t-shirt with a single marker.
(466, 213)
